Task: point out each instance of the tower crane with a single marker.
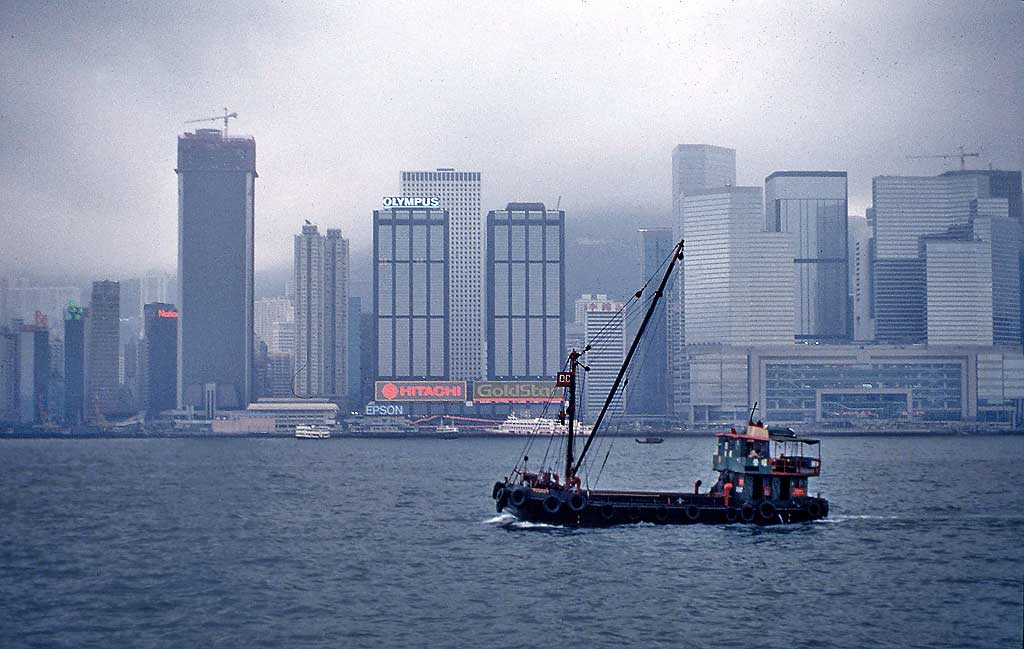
(962, 155)
(224, 117)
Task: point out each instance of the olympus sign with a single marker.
(429, 202)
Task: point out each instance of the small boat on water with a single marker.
(762, 474)
(648, 440)
(309, 431)
(447, 431)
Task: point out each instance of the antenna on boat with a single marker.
(753, 409)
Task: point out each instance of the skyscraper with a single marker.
(321, 313)
(216, 184)
(102, 349)
(8, 375)
(695, 167)
(651, 388)
(267, 311)
(740, 278)
(160, 358)
(811, 205)
(860, 278)
(605, 334)
(909, 209)
(33, 373)
(309, 312)
(411, 293)
(525, 291)
(336, 315)
(74, 364)
(459, 192)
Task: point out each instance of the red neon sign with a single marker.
(165, 313)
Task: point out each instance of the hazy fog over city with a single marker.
(582, 100)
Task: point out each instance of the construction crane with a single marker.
(962, 155)
(224, 117)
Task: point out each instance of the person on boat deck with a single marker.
(753, 452)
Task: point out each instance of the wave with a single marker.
(510, 521)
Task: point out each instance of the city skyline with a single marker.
(533, 154)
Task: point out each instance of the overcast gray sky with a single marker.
(583, 100)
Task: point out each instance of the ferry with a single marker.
(307, 431)
(762, 479)
(446, 431)
(537, 425)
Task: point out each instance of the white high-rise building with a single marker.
(267, 311)
(695, 167)
(336, 343)
(739, 288)
(459, 192)
(309, 312)
(959, 292)
(321, 313)
(605, 334)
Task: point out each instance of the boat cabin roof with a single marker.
(772, 436)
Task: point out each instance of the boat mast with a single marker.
(570, 411)
(677, 254)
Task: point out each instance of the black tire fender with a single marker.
(814, 509)
(661, 513)
(766, 511)
(731, 514)
(552, 504)
(494, 491)
(577, 501)
(748, 512)
(608, 511)
(692, 512)
(519, 496)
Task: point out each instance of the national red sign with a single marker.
(165, 313)
(420, 391)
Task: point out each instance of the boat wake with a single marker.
(509, 521)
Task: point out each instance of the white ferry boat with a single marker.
(306, 431)
(527, 426)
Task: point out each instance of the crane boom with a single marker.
(963, 155)
(226, 116)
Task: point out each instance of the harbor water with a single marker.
(395, 543)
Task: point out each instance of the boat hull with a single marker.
(607, 508)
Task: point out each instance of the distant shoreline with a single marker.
(689, 434)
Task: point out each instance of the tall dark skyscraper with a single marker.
(74, 364)
(651, 390)
(102, 387)
(160, 358)
(411, 295)
(216, 184)
(525, 282)
(34, 373)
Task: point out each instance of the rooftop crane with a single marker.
(224, 117)
(962, 155)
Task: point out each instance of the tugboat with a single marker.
(762, 474)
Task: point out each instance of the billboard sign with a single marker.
(420, 391)
(374, 409)
(516, 392)
(421, 202)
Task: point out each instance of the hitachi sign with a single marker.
(429, 202)
(420, 391)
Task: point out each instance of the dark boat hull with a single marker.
(607, 508)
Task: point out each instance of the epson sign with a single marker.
(379, 409)
(422, 202)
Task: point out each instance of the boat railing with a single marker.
(796, 465)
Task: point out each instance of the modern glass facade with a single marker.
(161, 358)
(935, 387)
(216, 185)
(651, 389)
(812, 206)
(525, 291)
(411, 296)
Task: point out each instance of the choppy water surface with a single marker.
(395, 543)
